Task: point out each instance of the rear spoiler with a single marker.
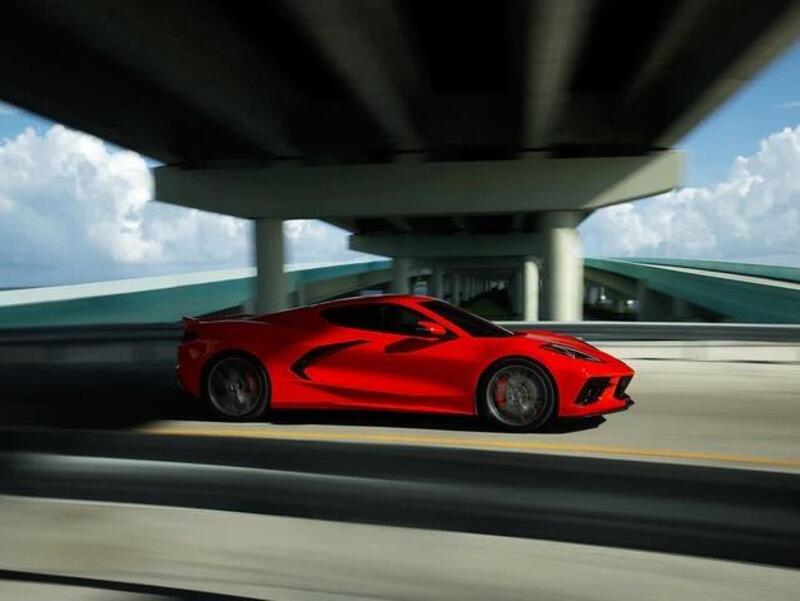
(190, 322)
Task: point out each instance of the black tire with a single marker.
(236, 387)
(528, 406)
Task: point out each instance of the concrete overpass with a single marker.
(164, 299)
(663, 290)
(681, 290)
(439, 132)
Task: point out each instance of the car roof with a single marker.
(409, 300)
(400, 299)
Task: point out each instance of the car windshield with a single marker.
(469, 322)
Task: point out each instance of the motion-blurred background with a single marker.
(620, 170)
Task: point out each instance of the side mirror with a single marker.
(430, 329)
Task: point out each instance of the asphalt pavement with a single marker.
(739, 414)
(290, 559)
(713, 413)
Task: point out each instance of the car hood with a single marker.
(540, 337)
(545, 336)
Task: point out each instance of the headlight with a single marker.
(568, 351)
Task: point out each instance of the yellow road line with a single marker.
(452, 441)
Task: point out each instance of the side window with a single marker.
(394, 319)
(400, 320)
(364, 317)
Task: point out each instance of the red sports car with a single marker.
(396, 353)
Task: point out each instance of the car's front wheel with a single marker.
(517, 395)
(237, 388)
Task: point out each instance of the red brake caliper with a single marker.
(500, 392)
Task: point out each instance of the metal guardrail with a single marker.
(712, 512)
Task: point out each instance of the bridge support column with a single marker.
(653, 306)
(401, 272)
(455, 288)
(563, 266)
(270, 282)
(437, 283)
(515, 294)
(530, 290)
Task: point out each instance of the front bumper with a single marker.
(597, 391)
(598, 395)
(628, 403)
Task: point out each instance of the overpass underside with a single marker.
(489, 233)
(445, 135)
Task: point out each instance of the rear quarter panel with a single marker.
(263, 341)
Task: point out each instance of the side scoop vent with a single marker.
(315, 355)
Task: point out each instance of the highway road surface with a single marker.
(728, 414)
(268, 557)
(715, 413)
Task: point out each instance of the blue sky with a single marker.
(13, 121)
(75, 209)
(768, 104)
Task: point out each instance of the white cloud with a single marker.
(74, 209)
(753, 215)
(312, 241)
(792, 104)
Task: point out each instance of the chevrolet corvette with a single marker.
(396, 353)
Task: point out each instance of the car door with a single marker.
(380, 359)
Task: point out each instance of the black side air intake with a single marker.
(592, 390)
(300, 366)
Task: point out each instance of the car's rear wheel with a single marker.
(517, 395)
(237, 388)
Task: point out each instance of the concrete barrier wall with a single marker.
(772, 272)
(163, 299)
(156, 343)
(739, 300)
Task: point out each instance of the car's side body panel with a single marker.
(313, 363)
